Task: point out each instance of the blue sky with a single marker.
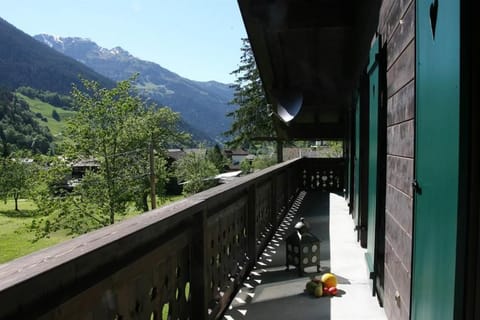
(198, 39)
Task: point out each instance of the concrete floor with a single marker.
(271, 292)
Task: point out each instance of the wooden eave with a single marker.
(313, 49)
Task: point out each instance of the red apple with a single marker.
(332, 290)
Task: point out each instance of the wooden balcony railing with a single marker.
(182, 261)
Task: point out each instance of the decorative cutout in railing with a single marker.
(263, 212)
(227, 252)
(156, 286)
(325, 175)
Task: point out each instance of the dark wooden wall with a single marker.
(470, 78)
(397, 29)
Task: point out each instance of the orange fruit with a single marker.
(329, 280)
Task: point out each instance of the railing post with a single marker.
(273, 200)
(198, 267)
(279, 151)
(286, 188)
(252, 224)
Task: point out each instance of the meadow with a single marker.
(16, 240)
(46, 110)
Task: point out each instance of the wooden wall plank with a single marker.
(401, 106)
(400, 139)
(400, 205)
(402, 241)
(400, 173)
(403, 35)
(402, 71)
(384, 13)
(396, 281)
(396, 14)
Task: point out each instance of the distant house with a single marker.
(79, 168)
(174, 155)
(236, 156)
(198, 151)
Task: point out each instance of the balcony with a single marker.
(189, 260)
(271, 292)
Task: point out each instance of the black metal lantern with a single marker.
(303, 248)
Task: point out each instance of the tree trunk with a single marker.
(153, 190)
(15, 196)
(145, 202)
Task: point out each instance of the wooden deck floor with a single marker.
(271, 292)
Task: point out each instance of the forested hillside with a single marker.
(19, 127)
(26, 62)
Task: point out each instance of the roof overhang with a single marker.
(310, 54)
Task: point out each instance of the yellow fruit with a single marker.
(318, 290)
(329, 280)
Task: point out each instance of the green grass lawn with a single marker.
(16, 238)
(46, 110)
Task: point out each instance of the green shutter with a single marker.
(436, 159)
(373, 74)
(356, 165)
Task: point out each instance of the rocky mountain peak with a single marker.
(79, 48)
(202, 104)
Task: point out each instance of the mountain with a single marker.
(203, 105)
(26, 62)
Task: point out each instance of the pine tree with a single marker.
(252, 120)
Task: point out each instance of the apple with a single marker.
(332, 290)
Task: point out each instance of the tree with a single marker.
(246, 166)
(196, 172)
(334, 149)
(15, 179)
(161, 131)
(215, 156)
(253, 117)
(105, 127)
(263, 161)
(114, 128)
(78, 211)
(55, 115)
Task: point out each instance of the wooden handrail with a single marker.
(185, 259)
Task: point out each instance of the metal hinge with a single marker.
(360, 227)
(416, 187)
